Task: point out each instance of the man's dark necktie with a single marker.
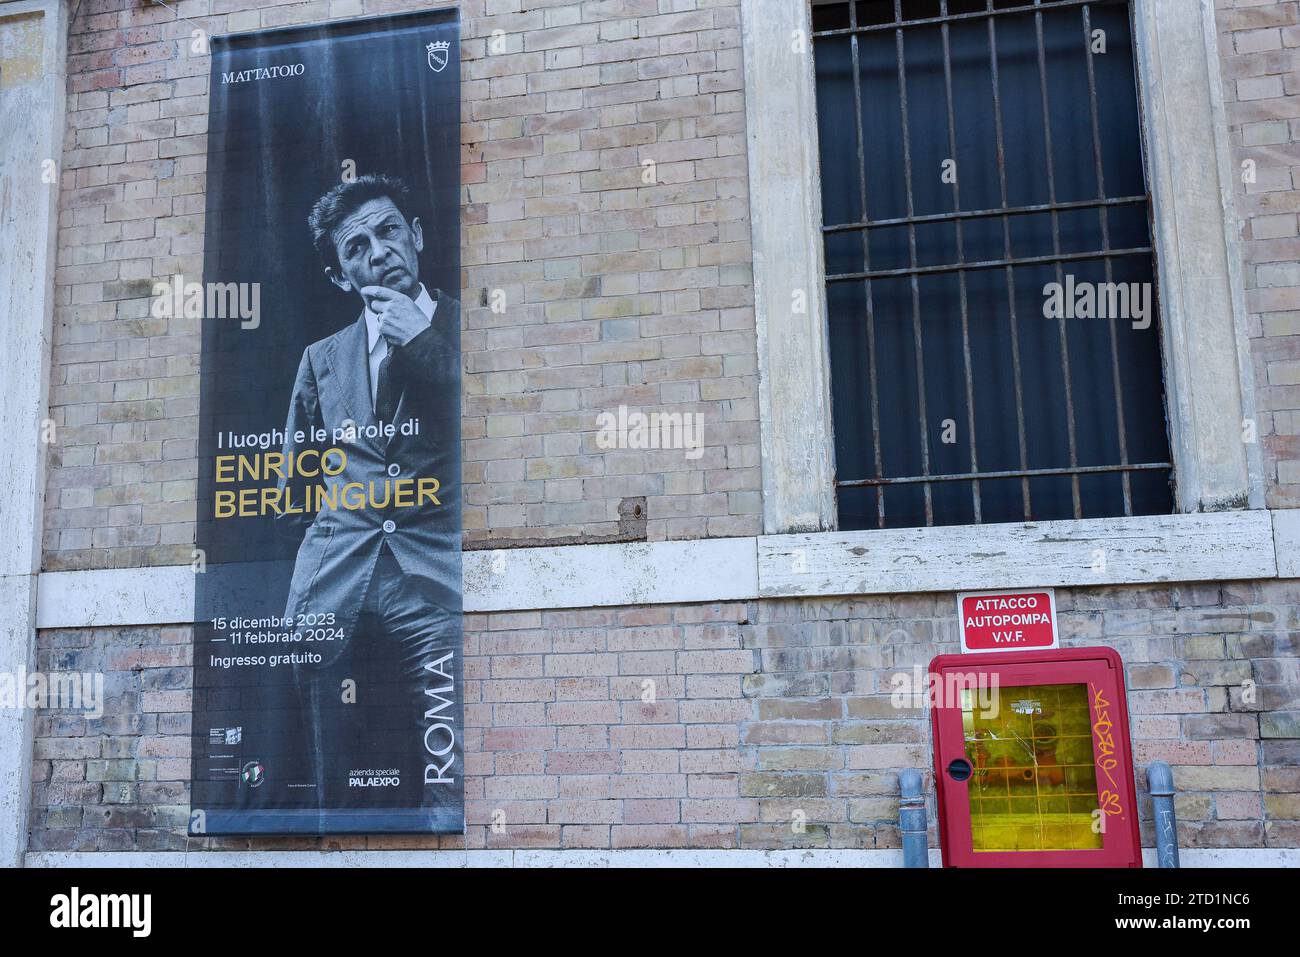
(387, 391)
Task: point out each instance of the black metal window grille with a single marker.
(972, 153)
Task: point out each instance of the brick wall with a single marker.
(1259, 43)
(618, 291)
(625, 284)
(761, 709)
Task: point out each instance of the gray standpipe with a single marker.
(1160, 782)
(911, 819)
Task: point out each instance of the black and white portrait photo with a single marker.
(328, 663)
(375, 558)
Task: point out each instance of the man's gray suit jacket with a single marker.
(341, 547)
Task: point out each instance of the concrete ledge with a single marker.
(1223, 546)
(586, 576)
(115, 596)
(1190, 858)
(1218, 546)
(574, 576)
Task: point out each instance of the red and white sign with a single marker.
(1007, 620)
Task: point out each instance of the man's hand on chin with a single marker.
(400, 319)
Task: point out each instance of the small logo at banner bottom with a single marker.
(438, 53)
(225, 736)
(253, 774)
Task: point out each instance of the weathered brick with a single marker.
(621, 292)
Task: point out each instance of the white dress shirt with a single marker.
(378, 345)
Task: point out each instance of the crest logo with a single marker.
(438, 52)
(253, 774)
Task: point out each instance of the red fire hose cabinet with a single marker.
(1032, 760)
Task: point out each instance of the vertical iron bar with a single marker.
(1011, 278)
(865, 237)
(911, 245)
(1056, 251)
(1104, 218)
(961, 258)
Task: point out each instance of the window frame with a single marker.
(1209, 390)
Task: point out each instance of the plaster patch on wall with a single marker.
(22, 50)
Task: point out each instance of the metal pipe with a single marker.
(1101, 203)
(1012, 473)
(912, 820)
(1160, 782)
(899, 23)
(989, 264)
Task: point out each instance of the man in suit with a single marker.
(387, 576)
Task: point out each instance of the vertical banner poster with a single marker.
(327, 655)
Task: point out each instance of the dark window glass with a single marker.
(980, 164)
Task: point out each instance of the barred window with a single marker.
(991, 297)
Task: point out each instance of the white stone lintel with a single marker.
(1218, 546)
